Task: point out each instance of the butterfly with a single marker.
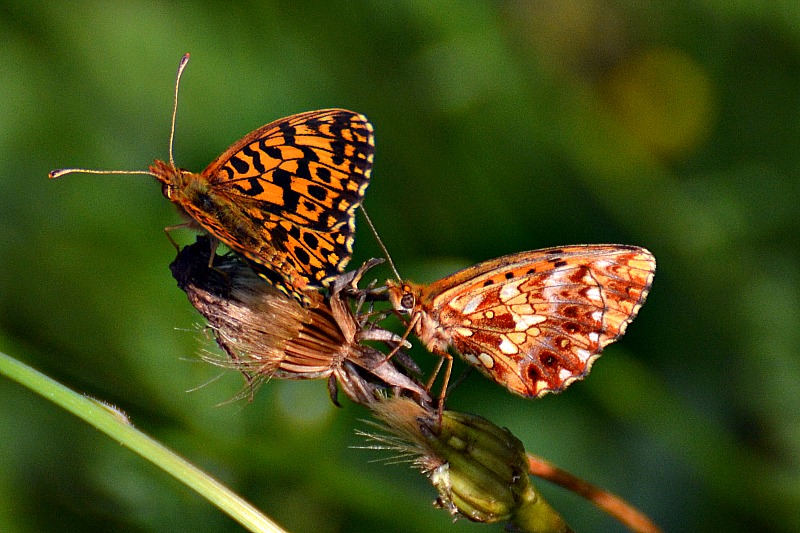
(284, 196)
(532, 321)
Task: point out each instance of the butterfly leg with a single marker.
(214, 245)
(213, 241)
(169, 229)
(443, 356)
(402, 342)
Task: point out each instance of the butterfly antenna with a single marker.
(60, 172)
(380, 243)
(53, 174)
(181, 67)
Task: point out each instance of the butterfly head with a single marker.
(172, 179)
(403, 296)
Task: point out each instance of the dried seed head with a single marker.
(268, 334)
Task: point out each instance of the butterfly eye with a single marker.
(407, 301)
(166, 190)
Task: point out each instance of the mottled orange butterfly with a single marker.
(532, 321)
(284, 196)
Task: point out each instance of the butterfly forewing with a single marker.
(288, 194)
(535, 321)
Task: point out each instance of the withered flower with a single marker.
(268, 334)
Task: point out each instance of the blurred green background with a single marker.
(501, 126)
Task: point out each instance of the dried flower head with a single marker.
(267, 334)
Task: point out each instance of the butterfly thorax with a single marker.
(200, 202)
(433, 335)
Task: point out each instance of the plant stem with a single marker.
(116, 425)
(612, 504)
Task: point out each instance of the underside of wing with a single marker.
(536, 321)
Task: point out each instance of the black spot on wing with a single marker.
(255, 156)
(238, 164)
(303, 170)
(272, 151)
(338, 152)
(308, 153)
(302, 256)
(294, 232)
(324, 174)
(254, 186)
(317, 192)
(283, 179)
(311, 240)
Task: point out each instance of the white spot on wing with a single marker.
(594, 294)
(508, 347)
(519, 337)
(583, 355)
(464, 332)
(526, 321)
(486, 359)
(508, 291)
(472, 304)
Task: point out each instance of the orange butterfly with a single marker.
(533, 321)
(284, 196)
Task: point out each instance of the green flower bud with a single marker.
(480, 470)
(484, 472)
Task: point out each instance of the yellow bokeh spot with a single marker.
(664, 98)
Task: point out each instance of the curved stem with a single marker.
(612, 504)
(116, 425)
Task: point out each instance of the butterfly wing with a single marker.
(298, 181)
(536, 321)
